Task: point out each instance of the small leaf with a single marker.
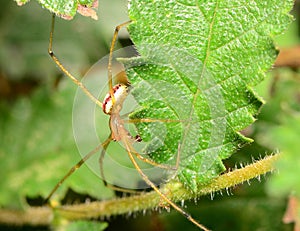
(198, 63)
(86, 225)
(21, 2)
(67, 8)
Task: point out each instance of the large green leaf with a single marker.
(198, 63)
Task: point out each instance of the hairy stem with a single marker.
(173, 190)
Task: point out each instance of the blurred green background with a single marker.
(37, 144)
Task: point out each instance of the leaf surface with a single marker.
(198, 63)
(37, 149)
(86, 225)
(67, 8)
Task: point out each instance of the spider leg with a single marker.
(149, 161)
(109, 68)
(155, 188)
(75, 167)
(64, 70)
(101, 158)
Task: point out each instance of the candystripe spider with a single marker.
(112, 105)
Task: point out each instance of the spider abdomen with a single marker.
(120, 92)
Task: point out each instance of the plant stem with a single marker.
(173, 190)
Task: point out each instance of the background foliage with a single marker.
(36, 132)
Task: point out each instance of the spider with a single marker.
(112, 105)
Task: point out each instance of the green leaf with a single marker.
(64, 7)
(286, 137)
(37, 149)
(67, 8)
(21, 2)
(86, 225)
(279, 129)
(198, 63)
